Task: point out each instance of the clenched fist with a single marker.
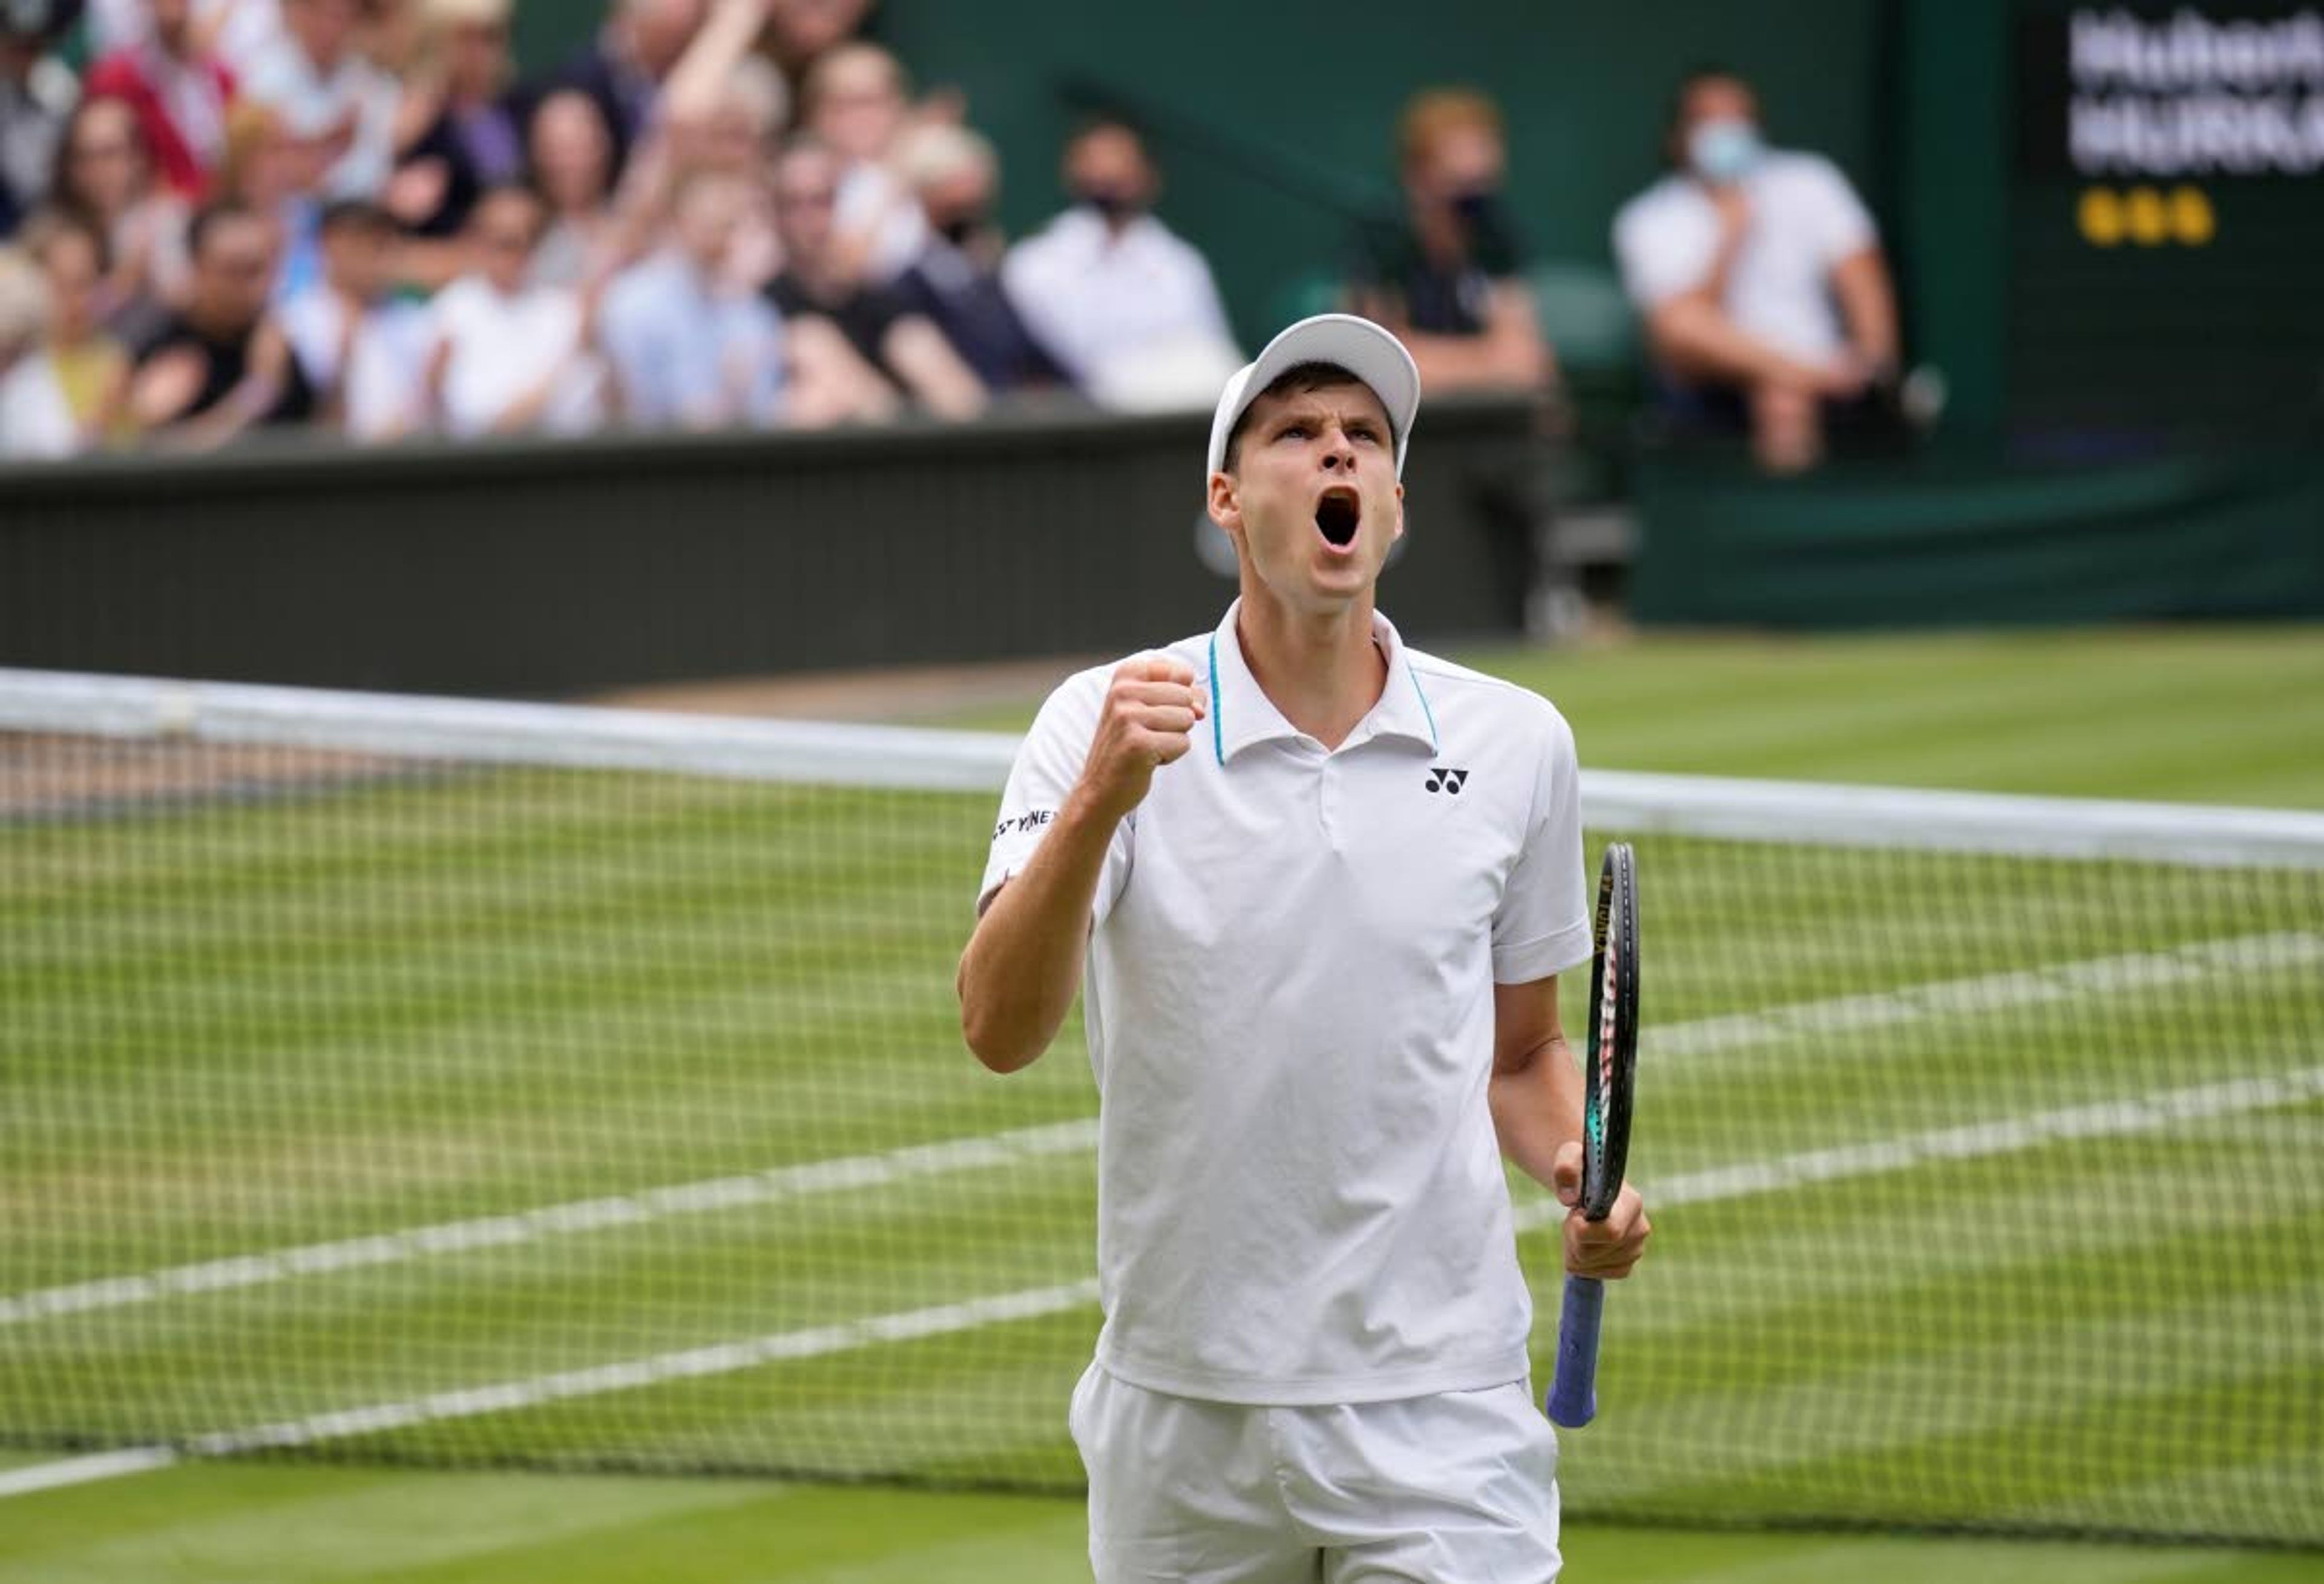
(1151, 708)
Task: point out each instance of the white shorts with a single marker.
(1456, 1488)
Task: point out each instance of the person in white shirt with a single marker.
(1759, 275)
(1127, 307)
(508, 356)
(34, 420)
(364, 349)
(1322, 885)
(72, 392)
(338, 103)
(689, 348)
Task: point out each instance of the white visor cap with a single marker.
(1358, 345)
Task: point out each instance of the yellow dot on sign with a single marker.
(2193, 220)
(2145, 213)
(2099, 214)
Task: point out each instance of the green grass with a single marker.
(261, 1525)
(357, 1004)
(2197, 714)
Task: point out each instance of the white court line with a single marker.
(2111, 976)
(2110, 1119)
(2106, 1119)
(83, 1470)
(582, 1215)
(1700, 1036)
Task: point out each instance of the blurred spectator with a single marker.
(236, 31)
(329, 96)
(71, 394)
(221, 365)
(1129, 309)
(624, 67)
(32, 422)
(855, 101)
(955, 278)
(1735, 259)
(36, 95)
(688, 349)
(269, 172)
(179, 88)
(363, 348)
(1448, 278)
(571, 150)
(105, 176)
(23, 321)
(855, 347)
(507, 356)
(390, 36)
(466, 135)
(799, 32)
(737, 139)
(722, 110)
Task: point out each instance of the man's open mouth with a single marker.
(1337, 515)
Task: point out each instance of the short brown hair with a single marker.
(1299, 376)
(1432, 113)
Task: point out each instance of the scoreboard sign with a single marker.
(2167, 222)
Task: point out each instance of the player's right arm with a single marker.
(1023, 964)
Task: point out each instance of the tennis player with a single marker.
(1323, 885)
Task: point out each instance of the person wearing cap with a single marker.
(1319, 885)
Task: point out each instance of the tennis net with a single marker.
(465, 1083)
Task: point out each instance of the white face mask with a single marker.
(1724, 150)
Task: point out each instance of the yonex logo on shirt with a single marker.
(1022, 823)
(1441, 779)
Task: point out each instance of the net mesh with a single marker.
(376, 1089)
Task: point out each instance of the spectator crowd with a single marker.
(356, 216)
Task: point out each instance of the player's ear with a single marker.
(1399, 513)
(1226, 502)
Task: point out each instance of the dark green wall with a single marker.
(1949, 222)
(554, 567)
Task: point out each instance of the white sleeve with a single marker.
(1843, 227)
(1543, 924)
(1048, 764)
(1210, 309)
(1663, 248)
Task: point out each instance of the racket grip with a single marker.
(1573, 1392)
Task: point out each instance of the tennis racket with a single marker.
(1605, 1123)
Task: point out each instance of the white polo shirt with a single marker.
(1805, 219)
(1290, 1011)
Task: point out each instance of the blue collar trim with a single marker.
(1218, 732)
(1435, 741)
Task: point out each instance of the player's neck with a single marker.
(1319, 669)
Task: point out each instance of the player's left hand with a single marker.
(1606, 1249)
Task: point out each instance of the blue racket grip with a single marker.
(1573, 1394)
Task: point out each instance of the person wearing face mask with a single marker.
(1446, 276)
(1759, 275)
(1127, 306)
(954, 277)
